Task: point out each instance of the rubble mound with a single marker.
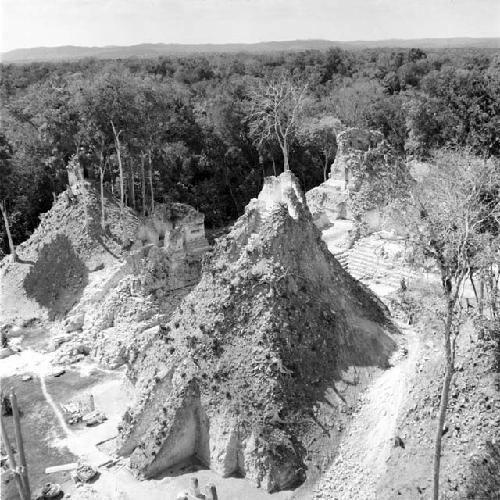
(147, 289)
(78, 217)
(163, 266)
(235, 376)
(53, 266)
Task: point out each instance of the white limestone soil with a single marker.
(366, 447)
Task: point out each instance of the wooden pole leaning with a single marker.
(12, 462)
(20, 444)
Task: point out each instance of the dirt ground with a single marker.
(50, 441)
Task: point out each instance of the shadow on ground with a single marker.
(58, 278)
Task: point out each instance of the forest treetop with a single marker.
(184, 121)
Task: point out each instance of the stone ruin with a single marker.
(178, 230)
(176, 227)
(280, 190)
(353, 143)
(330, 200)
(232, 378)
(75, 176)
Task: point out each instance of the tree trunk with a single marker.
(449, 350)
(120, 166)
(143, 187)
(286, 166)
(150, 162)
(132, 185)
(471, 278)
(325, 169)
(12, 248)
(492, 283)
(85, 205)
(101, 182)
(494, 296)
(481, 294)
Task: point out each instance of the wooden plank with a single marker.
(61, 468)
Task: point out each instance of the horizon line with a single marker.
(258, 42)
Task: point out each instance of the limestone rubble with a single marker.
(233, 378)
(82, 279)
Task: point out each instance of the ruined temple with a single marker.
(330, 200)
(179, 230)
(235, 376)
(75, 176)
(175, 227)
(353, 143)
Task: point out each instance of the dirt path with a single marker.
(363, 453)
(78, 443)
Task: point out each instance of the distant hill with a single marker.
(70, 52)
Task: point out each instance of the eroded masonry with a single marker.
(232, 379)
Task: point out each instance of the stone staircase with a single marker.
(375, 260)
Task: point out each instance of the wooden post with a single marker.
(20, 444)
(91, 402)
(195, 490)
(210, 492)
(12, 461)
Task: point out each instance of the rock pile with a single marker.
(73, 268)
(55, 262)
(153, 282)
(235, 376)
(50, 491)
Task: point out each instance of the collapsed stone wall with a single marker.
(75, 175)
(331, 200)
(142, 293)
(176, 227)
(353, 143)
(146, 288)
(234, 375)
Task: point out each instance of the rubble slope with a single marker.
(54, 263)
(236, 375)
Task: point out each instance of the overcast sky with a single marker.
(33, 23)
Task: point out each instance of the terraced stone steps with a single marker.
(365, 262)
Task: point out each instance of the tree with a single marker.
(470, 100)
(276, 106)
(321, 134)
(453, 217)
(5, 188)
(116, 135)
(108, 112)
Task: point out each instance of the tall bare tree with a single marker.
(274, 114)
(116, 135)
(453, 216)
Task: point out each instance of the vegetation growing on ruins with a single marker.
(183, 129)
